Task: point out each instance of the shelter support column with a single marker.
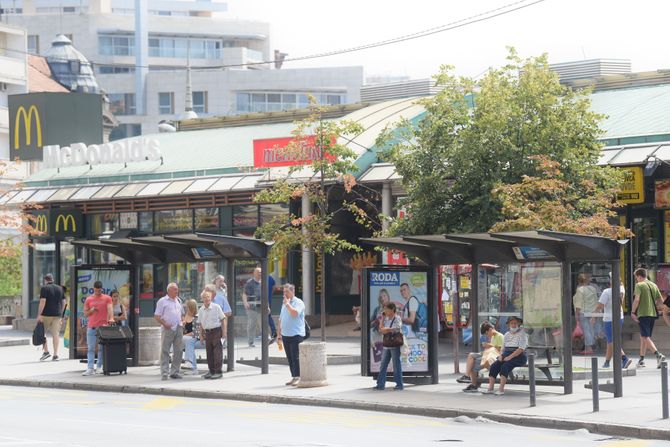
(135, 309)
(307, 265)
(474, 307)
(616, 327)
(230, 336)
(387, 209)
(265, 361)
(566, 318)
(434, 327)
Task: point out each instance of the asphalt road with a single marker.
(40, 417)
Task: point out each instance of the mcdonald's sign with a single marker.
(44, 119)
(58, 223)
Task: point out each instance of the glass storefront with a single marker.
(44, 261)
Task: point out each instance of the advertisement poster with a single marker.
(112, 279)
(409, 292)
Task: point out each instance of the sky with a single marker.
(568, 30)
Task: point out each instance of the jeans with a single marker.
(91, 341)
(588, 329)
(273, 328)
(190, 345)
(505, 368)
(252, 321)
(397, 368)
(292, 348)
(175, 340)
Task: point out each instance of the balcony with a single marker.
(13, 70)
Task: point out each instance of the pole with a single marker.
(434, 325)
(594, 384)
(135, 317)
(531, 377)
(664, 388)
(230, 335)
(566, 318)
(265, 359)
(616, 327)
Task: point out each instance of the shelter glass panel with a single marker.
(645, 244)
(185, 275)
(245, 216)
(207, 219)
(174, 221)
(102, 224)
(44, 261)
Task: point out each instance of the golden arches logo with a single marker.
(67, 222)
(41, 224)
(27, 125)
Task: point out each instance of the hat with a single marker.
(514, 317)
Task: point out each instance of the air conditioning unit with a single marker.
(3, 86)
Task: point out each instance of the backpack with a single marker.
(421, 318)
(38, 334)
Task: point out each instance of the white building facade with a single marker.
(223, 54)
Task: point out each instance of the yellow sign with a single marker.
(632, 189)
(27, 118)
(41, 224)
(67, 222)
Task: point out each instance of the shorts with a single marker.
(477, 365)
(51, 325)
(608, 331)
(646, 326)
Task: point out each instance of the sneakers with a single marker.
(375, 388)
(640, 364)
(190, 372)
(216, 376)
(659, 359)
(487, 391)
(398, 388)
(472, 388)
(88, 372)
(625, 363)
(606, 365)
(499, 393)
(463, 379)
(293, 381)
(176, 376)
(54, 358)
(97, 370)
(45, 355)
(207, 376)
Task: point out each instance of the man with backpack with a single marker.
(414, 312)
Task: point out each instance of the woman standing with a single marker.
(118, 309)
(389, 325)
(191, 336)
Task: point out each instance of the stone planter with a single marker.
(313, 362)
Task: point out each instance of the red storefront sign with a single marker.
(272, 152)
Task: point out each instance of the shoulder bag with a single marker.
(393, 339)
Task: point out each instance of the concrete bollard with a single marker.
(149, 346)
(313, 362)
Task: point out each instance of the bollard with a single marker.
(531, 377)
(594, 383)
(664, 388)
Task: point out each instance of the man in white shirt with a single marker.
(605, 305)
(211, 319)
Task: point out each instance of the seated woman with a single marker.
(514, 354)
(475, 361)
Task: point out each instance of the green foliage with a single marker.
(314, 178)
(10, 269)
(475, 138)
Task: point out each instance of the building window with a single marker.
(125, 131)
(272, 102)
(102, 224)
(206, 218)
(109, 45)
(34, 44)
(122, 103)
(179, 47)
(166, 103)
(108, 69)
(200, 102)
(173, 221)
(245, 216)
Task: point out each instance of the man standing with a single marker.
(99, 310)
(605, 306)
(271, 322)
(251, 298)
(221, 297)
(647, 298)
(292, 330)
(168, 313)
(211, 318)
(50, 311)
(585, 301)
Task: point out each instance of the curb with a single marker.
(17, 342)
(603, 428)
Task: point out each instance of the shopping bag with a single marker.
(578, 332)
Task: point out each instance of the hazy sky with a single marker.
(565, 29)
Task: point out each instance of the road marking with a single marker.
(8, 440)
(163, 403)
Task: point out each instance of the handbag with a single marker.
(393, 339)
(578, 332)
(308, 331)
(38, 334)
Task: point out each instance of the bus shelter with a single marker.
(193, 247)
(535, 270)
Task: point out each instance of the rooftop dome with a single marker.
(70, 67)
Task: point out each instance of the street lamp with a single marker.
(651, 163)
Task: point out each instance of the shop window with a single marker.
(206, 218)
(146, 222)
(245, 216)
(172, 221)
(67, 260)
(645, 244)
(102, 224)
(273, 211)
(44, 261)
(122, 103)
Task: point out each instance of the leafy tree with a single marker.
(478, 137)
(331, 165)
(10, 269)
(17, 219)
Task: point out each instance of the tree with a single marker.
(19, 220)
(10, 269)
(479, 137)
(330, 164)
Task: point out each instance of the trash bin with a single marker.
(115, 340)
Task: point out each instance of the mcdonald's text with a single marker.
(78, 154)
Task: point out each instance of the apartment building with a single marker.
(225, 56)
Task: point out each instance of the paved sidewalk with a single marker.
(637, 414)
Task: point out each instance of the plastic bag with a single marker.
(578, 332)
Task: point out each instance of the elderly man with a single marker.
(211, 319)
(292, 330)
(169, 311)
